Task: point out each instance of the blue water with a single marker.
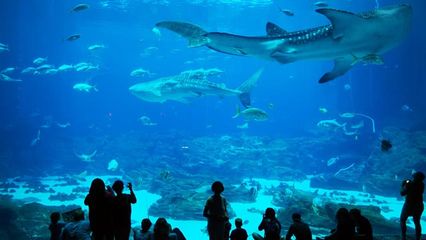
(289, 93)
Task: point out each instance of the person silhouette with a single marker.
(216, 213)
(364, 231)
(99, 202)
(122, 210)
(144, 232)
(55, 226)
(345, 228)
(270, 225)
(413, 205)
(299, 229)
(239, 233)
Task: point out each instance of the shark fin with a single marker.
(194, 34)
(273, 30)
(341, 66)
(340, 20)
(246, 87)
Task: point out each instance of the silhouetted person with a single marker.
(239, 233)
(99, 202)
(413, 205)
(345, 228)
(270, 225)
(163, 230)
(55, 226)
(78, 229)
(364, 231)
(216, 213)
(144, 232)
(299, 229)
(122, 210)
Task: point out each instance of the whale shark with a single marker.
(190, 84)
(349, 39)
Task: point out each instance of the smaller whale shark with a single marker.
(190, 84)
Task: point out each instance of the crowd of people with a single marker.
(110, 218)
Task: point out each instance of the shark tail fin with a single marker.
(246, 87)
(237, 112)
(194, 34)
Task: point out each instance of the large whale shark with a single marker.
(349, 39)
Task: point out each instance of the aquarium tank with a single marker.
(300, 106)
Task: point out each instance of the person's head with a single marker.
(355, 213)
(238, 222)
(97, 187)
(296, 217)
(161, 229)
(118, 186)
(146, 224)
(418, 176)
(54, 217)
(78, 215)
(270, 213)
(217, 187)
(342, 215)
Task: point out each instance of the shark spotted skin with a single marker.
(191, 84)
(349, 39)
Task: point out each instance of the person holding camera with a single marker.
(122, 210)
(270, 225)
(413, 205)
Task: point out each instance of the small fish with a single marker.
(323, 110)
(96, 47)
(243, 126)
(73, 37)
(347, 87)
(84, 87)
(270, 105)
(347, 115)
(28, 70)
(157, 32)
(321, 4)
(287, 12)
(385, 145)
(406, 108)
(147, 121)
(5, 78)
(40, 61)
(358, 125)
(332, 161)
(8, 70)
(3, 48)
(251, 113)
(80, 7)
(140, 72)
(65, 68)
(65, 125)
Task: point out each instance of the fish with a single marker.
(145, 120)
(28, 70)
(112, 165)
(347, 87)
(140, 72)
(406, 108)
(84, 87)
(332, 161)
(347, 115)
(287, 12)
(251, 114)
(5, 78)
(330, 124)
(385, 145)
(80, 7)
(243, 126)
(321, 4)
(73, 37)
(323, 110)
(45, 67)
(65, 68)
(8, 70)
(40, 60)
(4, 48)
(347, 39)
(191, 84)
(86, 157)
(95, 47)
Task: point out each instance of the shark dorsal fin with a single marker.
(274, 30)
(341, 20)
